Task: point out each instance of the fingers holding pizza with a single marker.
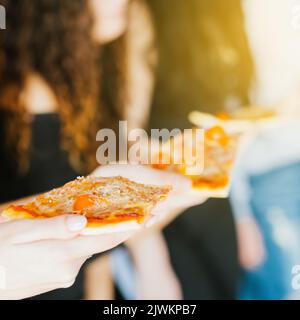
(40, 255)
(118, 198)
(42, 248)
(61, 227)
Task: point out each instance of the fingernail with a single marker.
(76, 223)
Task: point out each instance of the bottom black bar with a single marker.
(90, 310)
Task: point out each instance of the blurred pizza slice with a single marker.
(238, 121)
(111, 204)
(218, 152)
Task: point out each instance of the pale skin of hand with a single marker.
(37, 256)
(251, 249)
(155, 275)
(34, 243)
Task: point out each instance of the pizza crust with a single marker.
(126, 226)
(112, 228)
(235, 125)
(11, 214)
(204, 120)
(221, 193)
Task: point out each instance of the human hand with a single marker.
(41, 255)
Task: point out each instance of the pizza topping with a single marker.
(84, 201)
(106, 200)
(217, 134)
(223, 116)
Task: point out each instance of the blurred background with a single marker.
(70, 68)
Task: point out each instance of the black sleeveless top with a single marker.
(49, 168)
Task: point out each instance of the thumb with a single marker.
(62, 227)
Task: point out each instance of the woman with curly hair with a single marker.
(68, 69)
(51, 61)
(63, 76)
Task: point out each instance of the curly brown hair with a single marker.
(53, 38)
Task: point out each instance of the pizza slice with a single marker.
(111, 204)
(219, 151)
(238, 121)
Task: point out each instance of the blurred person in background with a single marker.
(204, 64)
(266, 188)
(221, 56)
